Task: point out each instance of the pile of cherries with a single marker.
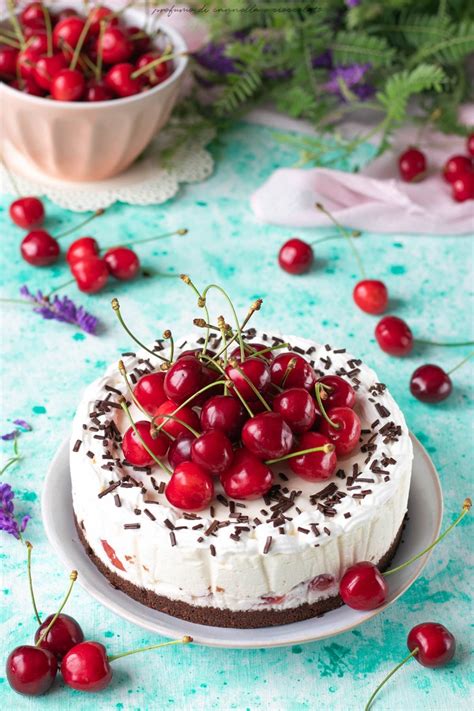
(269, 414)
(458, 170)
(68, 57)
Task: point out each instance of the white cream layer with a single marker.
(218, 571)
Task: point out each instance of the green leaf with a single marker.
(352, 47)
(240, 88)
(402, 85)
(451, 50)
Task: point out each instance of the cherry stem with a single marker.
(223, 330)
(16, 25)
(157, 429)
(188, 400)
(326, 448)
(80, 43)
(185, 640)
(235, 365)
(82, 224)
(168, 336)
(459, 365)
(348, 236)
(116, 308)
(44, 634)
(100, 53)
(444, 345)
(256, 354)
(229, 383)
(49, 31)
(125, 408)
(465, 509)
(187, 280)
(328, 238)
(17, 456)
(10, 42)
(155, 63)
(229, 301)
(382, 683)
(317, 390)
(183, 231)
(254, 307)
(29, 548)
(289, 368)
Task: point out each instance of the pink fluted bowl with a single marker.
(84, 141)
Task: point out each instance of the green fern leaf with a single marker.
(451, 50)
(239, 89)
(402, 85)
(351, 47)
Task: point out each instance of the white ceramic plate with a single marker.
(425, 510)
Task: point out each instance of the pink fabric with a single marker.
(375, 199)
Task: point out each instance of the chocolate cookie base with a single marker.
(214, 616)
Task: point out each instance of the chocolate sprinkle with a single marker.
(77, 446)
(268, 544)
(212, 548)
(172, 538)
(131, 525)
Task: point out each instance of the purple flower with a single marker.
(323, 60)
(351, 76)
(61, 309)
(8, 522)
(352, 3)
(23, 425)
(213, 57)
(9, 436)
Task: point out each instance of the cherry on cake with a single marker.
(231, 479)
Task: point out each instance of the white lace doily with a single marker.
(177, 155)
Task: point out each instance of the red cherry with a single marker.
(363, 587)
(150, 392)
(295, 256)
(67, 32)
(133, 449)
(82, 248)
(172, 427)
(180, 449)
(256, 371)
(123, 263)
(301, 375)
(140, 43)
(371, 296)
(66, 12)
(470, 144)
(224, 413)
(38, 41)
(26, 62)
(314, 466)
(394, 336)
(157, 74)
(27, 212)
(99, 14)
(183, 379)
(62, 636)
(31, 670)
(339, 393)
(463, 187)
(297, 408)
(190, 488)
(250, 349)
(345, 436)
(91, 274)
(212, 451)
(33, 15)
(115, 46)
(412, 165)
(430, 383)
(68, 85)
(98, 91)
(119, 80)
(8, 60)
(86, 667)
(455, 167)
(436, 645)
(247, 477)
(39, 248)
(267, 436)
(46, 68)
(27, 86)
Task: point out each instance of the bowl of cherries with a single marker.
(85, 89)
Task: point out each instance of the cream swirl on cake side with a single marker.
(278, 552)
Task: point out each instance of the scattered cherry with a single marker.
(122, 262)
(337, 391)
(68, 85)
(82, 248)
(86, 667)
(39, 248)
(190, 488)
(455, 167)
(436, 645)
(132, 444)
(430, 383)
(62, 636)
(394, 336)
(27, 212)
(463, 187)
(290, 370)
(412, 165)
(31, 670)
(247, 477)
(363, 587)
(371, 296)
(313, 466)
(267, 435)
(91, 274)
(225, 413)
(212, 451)
(150, 392)
(297, 408)
(346, 430)
(295, 256)
(180, 449)
(172, 427)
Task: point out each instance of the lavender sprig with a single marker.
(8, 522)
(62, 309)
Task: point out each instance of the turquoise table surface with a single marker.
(46, 365)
